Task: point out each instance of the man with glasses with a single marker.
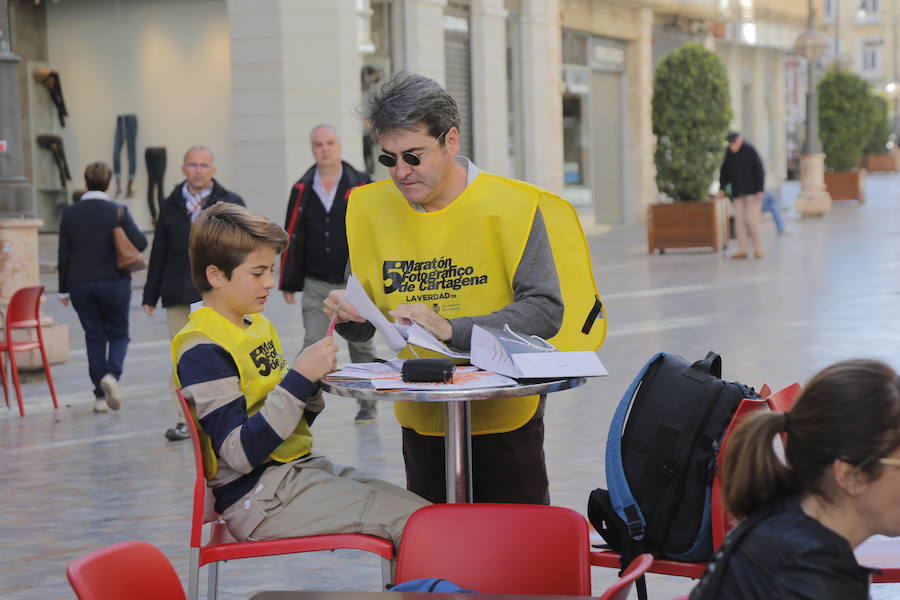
(169, 273)
(448, 246)
(315, 261)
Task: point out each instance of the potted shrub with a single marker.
(878, 156)
(846, 118)
(691, 112)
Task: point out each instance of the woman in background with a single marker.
(839, 486)
(99, 291)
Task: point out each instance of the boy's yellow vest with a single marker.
(256, 350)
(461, 261)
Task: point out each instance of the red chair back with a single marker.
(24, 308)
(620, 589)
(498, 548)
(783, 400)
(203, 510)
(722, 522)
(134, 570)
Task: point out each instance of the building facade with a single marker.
(555, 92)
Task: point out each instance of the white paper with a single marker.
(491, 355)
(358, 298)
(580, 363)
(419, 336)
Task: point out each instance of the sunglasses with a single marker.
(413, 160)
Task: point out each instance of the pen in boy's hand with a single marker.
(332, 324)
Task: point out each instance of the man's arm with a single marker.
(538, 305)
(210, 378)
(159, 255)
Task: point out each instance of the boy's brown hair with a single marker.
(224, 235)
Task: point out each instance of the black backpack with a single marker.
(660, 470)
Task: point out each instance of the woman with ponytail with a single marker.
(837, 484)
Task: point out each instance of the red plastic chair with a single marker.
(721, 521)
(134, 570)
(24, 312)
(783, 400)
(498, 548)
(620, 589)
(220, 545)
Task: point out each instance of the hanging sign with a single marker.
(3, 146)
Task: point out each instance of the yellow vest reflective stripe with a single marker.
(461, 260)
(256, 350)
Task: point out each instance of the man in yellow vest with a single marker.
(448, 246)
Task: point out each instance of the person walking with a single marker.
(169, 273)
(742, 172)
(315, 262)
(90, 280)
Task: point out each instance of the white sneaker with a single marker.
(100, 406)
(110, 386)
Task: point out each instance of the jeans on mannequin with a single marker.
(126, 133)
(156, 169)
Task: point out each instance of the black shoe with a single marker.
(179, 432)
(365, 415)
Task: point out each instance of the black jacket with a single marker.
(743, 170)
(780, 553)
(86, 249)
(169, 274)
(308, 254)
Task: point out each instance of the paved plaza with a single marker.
(74, 481)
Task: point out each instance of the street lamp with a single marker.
(814, 199)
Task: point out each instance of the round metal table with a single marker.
(458, 441)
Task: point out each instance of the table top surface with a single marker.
(336, 595)
(362, 389)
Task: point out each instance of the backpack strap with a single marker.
(623, 502)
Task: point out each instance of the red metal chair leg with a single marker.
(3, 377)
(16, 384)
(47, 372)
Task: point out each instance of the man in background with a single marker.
(315, 262)
(169, 273)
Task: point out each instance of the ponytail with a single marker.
(752, 474)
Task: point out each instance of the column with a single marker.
(778, 165)
(489, 98)
(756, 131)
(540, 72)
(295, 64)
(642, 173)
(423, 34)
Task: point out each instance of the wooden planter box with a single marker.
(881, 162)
(846, 185)
(688, 225)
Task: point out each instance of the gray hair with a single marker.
(324, 126)
(203, 148)
(407, 101)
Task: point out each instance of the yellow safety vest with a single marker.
(461, 261)
(256, 350)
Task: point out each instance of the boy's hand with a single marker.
(336, 302)
(317, 360)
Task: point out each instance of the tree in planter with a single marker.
(881, 125)
(690, 111)
(846, 119)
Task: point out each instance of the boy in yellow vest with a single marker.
(448, 246)
(254, 410)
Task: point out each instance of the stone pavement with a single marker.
(75, 481)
